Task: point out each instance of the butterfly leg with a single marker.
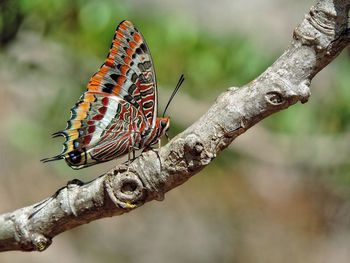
(167, 136)
(129, 157)
(131, 154)
(132, 146)
(159, 144)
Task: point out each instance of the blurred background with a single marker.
(280, 193)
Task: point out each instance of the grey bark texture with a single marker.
(320, 37)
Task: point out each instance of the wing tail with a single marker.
(51, 159)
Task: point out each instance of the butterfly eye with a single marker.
(164, 125)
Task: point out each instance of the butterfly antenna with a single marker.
(178, 85)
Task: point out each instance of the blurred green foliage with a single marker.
(208, 61)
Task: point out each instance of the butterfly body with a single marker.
(117, 114)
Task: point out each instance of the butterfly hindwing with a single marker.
(98, 118)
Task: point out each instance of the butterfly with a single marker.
(117, 114)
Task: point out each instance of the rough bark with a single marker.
(320, 37)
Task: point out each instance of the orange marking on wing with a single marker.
(132, 45)
(119, 35)
(95, 81)
(76, 125)
(123, 25)
(137, 37)
(129, 51)
(103, 71)
(127, 23)
(121, 80)
(72, 134)
(116, 89)
(124, 69)
(93, 87)
(81, 115)
(89, 97)
(116, 43)
(84, 106)
(109, 62)
(127, 60)
(69, 148)
(113, 52)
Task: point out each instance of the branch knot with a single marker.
(194, 152)
(125, 189)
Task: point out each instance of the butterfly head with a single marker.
(163, 125)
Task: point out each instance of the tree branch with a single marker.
(321, 36)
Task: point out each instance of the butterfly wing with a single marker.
(128, 71)
(120, 102)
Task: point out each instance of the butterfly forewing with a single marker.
(128, 71)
